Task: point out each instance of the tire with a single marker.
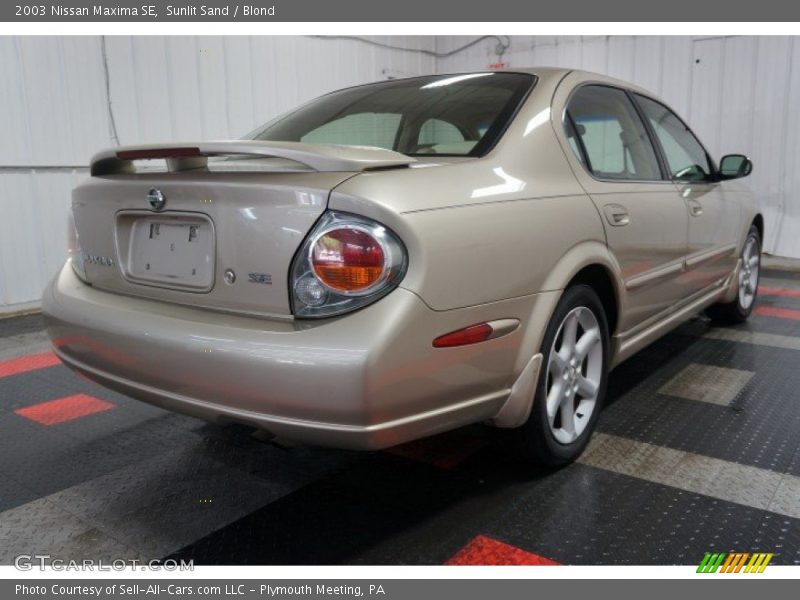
(739, 309)
(555, 440)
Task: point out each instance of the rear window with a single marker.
(451, 115)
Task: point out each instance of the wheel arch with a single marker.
(758, 221)
(592, 264)
(589, 263)
(599, 278)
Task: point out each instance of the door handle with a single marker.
(616, 215)
(695, 208)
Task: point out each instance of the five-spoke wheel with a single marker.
(748, 274)
(574, 372)
(737, 310)
(572, 381)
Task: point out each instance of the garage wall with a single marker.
(739, 94)
(55, 114)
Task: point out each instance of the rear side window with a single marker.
(686, 157)
(606, 127)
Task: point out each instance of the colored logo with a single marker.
(734, 562)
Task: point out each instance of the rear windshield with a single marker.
(446, 115)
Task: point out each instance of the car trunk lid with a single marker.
(213, 225)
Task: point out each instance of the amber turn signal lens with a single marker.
(348, 260)
(462, 337)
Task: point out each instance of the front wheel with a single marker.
(738, 310)
(572, 382)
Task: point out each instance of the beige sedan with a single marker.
(398, 259)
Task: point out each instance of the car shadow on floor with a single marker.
(379, 507)
(418, 503)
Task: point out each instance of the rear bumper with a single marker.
(367, 380)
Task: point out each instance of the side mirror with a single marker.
(734, 166)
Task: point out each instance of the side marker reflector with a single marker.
(462, 337)
(480, 332)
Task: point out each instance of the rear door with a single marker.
(645, 220)
(713, 223)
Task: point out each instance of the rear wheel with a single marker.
(572, 382)
(738, 310)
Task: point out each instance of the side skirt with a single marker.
(629, 343)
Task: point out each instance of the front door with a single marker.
(713, 223)
(645, 219)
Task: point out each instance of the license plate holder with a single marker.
(171, 251)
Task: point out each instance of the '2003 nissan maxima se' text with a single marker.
(398, 259)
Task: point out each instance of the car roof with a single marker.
(582, 77)
(550, 73)
(557, 73)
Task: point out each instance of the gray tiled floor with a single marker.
(742, 484)
(23, 344)
(774, 340)
(691, 453)
(148, 509)
(707, 383)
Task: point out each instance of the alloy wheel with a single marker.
(748, 274)
(574, 372)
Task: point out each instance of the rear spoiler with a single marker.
(190, 156)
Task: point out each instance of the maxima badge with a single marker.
(264, 278)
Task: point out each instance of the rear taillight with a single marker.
(346, 262)
(348, 259)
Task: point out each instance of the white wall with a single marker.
(54, 114)
(742, 96)
(739, 94)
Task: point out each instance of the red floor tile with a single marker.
(64, 409)
(484, 550)
(781, 313)
(770, 291)
(28, 363)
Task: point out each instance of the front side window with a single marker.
(455, 115)
(686, 157)
(606, 126)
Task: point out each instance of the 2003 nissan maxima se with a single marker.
(398, 259)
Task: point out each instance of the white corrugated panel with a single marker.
(772, 107)
(741, 97)
(55, 114)
(33, 230)
(220, 87)
(788, 232)
(52, 100)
